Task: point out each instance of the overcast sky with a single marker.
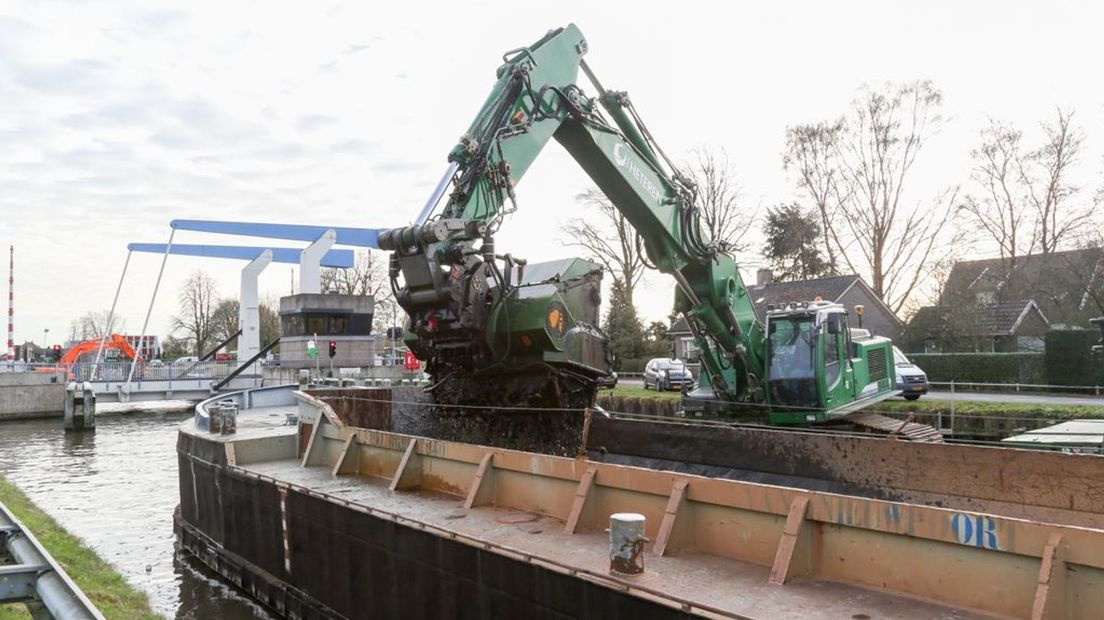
(118, 117)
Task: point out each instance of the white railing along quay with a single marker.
(1087, 390)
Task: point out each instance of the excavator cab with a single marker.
(815, 371)
(792, 352)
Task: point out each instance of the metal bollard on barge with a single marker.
(345, 515)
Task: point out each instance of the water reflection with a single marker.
(116, 488)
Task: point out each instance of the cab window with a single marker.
(835, 346)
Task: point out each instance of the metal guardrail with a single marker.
(18, 366)
(1095, 390)
(35, 578)
(118, 371)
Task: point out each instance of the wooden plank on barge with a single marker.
(1052, 572)
(663, 538)
(477, 482)
(580, 500)
(403, 478)
(784, 556)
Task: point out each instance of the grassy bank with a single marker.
(630, 391)
(1020, 412)
(106, 588)
(973, 407)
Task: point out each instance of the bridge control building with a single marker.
(344, 319)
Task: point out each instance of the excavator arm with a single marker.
(530, 330)
(534, 100)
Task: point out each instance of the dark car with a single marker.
(667, 374)
(912, 381)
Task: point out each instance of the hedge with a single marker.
(1069, 359)
(982, 367)
(630, 365)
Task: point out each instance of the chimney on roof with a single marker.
(763, 277)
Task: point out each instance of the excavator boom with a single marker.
(531, 330)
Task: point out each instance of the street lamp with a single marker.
(45, 331)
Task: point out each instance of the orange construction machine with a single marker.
(115, 341)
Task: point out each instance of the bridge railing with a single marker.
(113, 372)
(21, 366)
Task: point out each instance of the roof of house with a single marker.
(777, 293)
(1001, 319)
(830, 288)
(1061, 283)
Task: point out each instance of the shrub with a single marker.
(631, 365)
(1069, 359)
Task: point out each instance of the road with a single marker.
(989, 397)
(1019, 398)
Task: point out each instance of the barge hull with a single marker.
(361, 564)
(325, 519)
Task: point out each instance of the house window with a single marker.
(690, 350)
(1030, 343)
(986, 298)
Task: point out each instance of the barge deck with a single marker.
(324, 519)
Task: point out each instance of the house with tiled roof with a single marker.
(1068, 287)
(1004, 327)
(1002, 305)
(849, 290)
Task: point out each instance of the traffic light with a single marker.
(333, 348)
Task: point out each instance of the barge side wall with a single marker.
(1043, 486)
(346, 563)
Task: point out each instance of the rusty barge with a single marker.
(348, 513)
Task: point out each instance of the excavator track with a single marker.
(905, 429)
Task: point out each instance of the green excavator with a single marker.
(499, 332)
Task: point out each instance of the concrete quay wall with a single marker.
(31, 394)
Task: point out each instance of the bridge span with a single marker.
(152, 382)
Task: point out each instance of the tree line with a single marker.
(856, 207)
(204, 319)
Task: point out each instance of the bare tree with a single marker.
(609, 238)
(198, 297)
(811, 151)
(95, 324)
(1050, 189)
(225, 320)
(718, 197)
(367, 276)
(269, 310)
(999, 203)
(1022, 201)
(860, 168)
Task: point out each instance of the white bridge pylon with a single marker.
(310, 262)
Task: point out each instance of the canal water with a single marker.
(116, 489)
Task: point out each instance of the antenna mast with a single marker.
(11, 303)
